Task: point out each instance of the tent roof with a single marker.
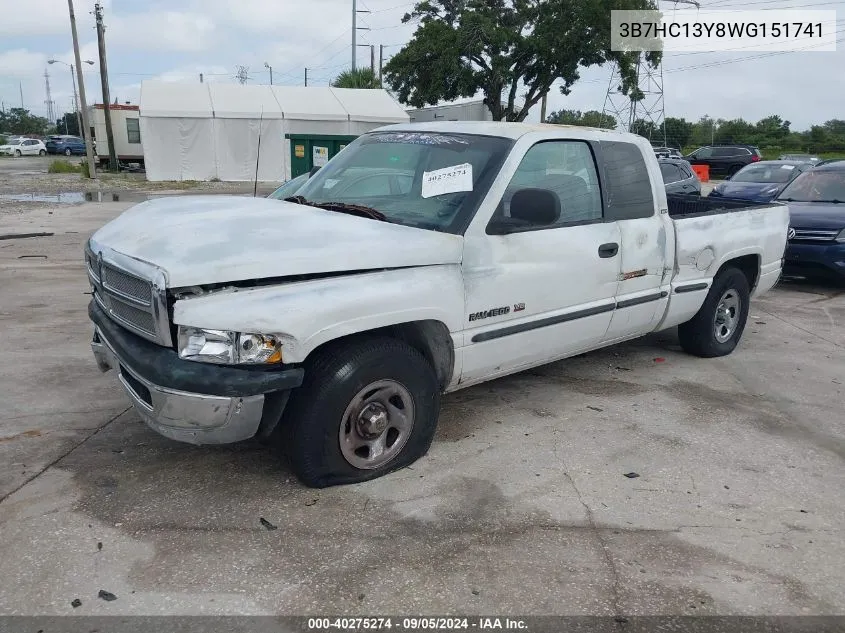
(310, 104)
(371, 106)
(232, 101)
(175, 99)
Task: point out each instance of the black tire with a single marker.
(42, 152)
(313, 423)
(733, 169)
(699, 335)
(18, 153)
(68, 152)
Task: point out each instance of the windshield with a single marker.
(816, 186)
(777, 174)
(289, 188)
(426, 180)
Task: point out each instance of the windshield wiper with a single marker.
(833, 201)
(342, 207)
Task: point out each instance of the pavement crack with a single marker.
(608, 558)
(65, 454)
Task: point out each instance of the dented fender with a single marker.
(307, 314)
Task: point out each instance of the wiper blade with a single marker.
(342, 207)
(834, 201)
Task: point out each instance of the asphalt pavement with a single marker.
(522, 505)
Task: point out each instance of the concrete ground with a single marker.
(521, 506)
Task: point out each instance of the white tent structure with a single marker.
(201, 131)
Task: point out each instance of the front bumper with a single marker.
(815, 258)
(187, 401)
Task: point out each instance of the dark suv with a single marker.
(725, 160)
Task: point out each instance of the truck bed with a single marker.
(684, 206)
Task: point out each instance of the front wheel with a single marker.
(18, 153)
(716, 328)
(68, 152)
(367, 407)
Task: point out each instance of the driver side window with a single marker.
(568, 171)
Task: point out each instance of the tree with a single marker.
(591, 118)
(22, 121)
(678, 132)
(647, 129)
(68, 124)
(358, 78)
(772, 130)
(500, 47)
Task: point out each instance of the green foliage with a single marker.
(21, 121)
(590, 118)
(64, 167)
(358, 78)
(503, 47)
(68, 124)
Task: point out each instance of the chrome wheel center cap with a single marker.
(372, 421)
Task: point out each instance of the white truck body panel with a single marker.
(219, 239)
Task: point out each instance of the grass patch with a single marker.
(64, 167)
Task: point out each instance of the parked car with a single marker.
(289, 187)
(678, 176)
(760, 182)
(804, 158)
(725, 160)
(816, 202)
(22, 146)
(332, 325)
(667, 152)
(64, 144)
(828, 161)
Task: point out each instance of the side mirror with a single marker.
(539, 207)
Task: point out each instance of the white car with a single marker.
(23, 147)
(331, 323)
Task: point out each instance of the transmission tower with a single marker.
(51, 114)
(651, 108)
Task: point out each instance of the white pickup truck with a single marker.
(420, 260)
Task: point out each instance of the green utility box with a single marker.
(311, 150)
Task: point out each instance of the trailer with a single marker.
(125, 121)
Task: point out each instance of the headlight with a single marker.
(228, 348)
(841, 236)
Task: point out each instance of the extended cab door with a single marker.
(543, 290)
(635, 199)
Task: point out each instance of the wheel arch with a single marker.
(749, 265)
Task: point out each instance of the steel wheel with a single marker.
(376, 425)
(727, 315)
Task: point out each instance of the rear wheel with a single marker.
(68, 152)
(42, 152)
(717, 327)
(367, 407)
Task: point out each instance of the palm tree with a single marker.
(359, 78)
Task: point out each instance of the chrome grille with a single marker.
(131, 293)
(815, 235)
(126, 285)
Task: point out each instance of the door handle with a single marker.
(608, 250)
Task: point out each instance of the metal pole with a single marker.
(380, 60)
(354, 35)
(89, 150)
(200, 77)
(543, 108)
(271, 75)
(20, 85)
(373, 59)
(306, 77)
(104, 81)
(76, 106)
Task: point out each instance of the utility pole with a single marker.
(380, 60)
(200, 77)
(543, 107)
(89, 150)
(20, 85)
(104, 80)
(270, 68)
(373, 59)
(306, 77)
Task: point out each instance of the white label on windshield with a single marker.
(787, 166)
(330, 182)
(447, 180)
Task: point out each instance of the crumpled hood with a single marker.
(216, 239)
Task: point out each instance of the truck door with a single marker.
(647, 243)
(545, 290)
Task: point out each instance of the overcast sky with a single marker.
(176, 40)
